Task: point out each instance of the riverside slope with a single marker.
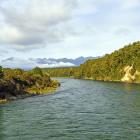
(122, 65)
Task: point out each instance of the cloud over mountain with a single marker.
(13, 62)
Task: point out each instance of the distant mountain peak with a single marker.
(13, 62)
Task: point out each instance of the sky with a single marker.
(66, 28)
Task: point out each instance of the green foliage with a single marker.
(1, 72)
(37, 71)
(18, 71)
(16, 82)
(108, 68)
(62, 72)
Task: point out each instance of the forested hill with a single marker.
(121, 65)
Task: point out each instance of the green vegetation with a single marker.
(1, 72)
(36, 71)
(111, 67)
(122, 65)
(62, 72)
(17, 83)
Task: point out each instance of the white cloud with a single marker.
(67, 28)
(31, 21)
(60, 64)
(130, 3)
(9, 35)
(86, 7)
(17, 63)
(123, 31)
(31, 63)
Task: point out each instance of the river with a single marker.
(79, 110)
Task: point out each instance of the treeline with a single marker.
(63, 72)
(16, 83)
(108, 68)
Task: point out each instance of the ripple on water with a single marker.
(80, 110)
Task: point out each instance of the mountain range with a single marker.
(13, 62)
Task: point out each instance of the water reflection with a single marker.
(132, 88)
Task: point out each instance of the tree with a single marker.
(1, 72)
(37, 71)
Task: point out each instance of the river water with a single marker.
(79, 110)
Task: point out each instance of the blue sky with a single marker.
(66, 28)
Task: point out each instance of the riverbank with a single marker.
(101, 80)
(115, 81)
(18, 84)
(11, 96)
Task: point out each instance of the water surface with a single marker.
(80, 110)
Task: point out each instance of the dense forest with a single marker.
(63, 71)
(17, 83)
(121, 65)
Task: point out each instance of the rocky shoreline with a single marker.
(11, 96)
(19, 84)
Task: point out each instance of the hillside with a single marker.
(122, 65)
